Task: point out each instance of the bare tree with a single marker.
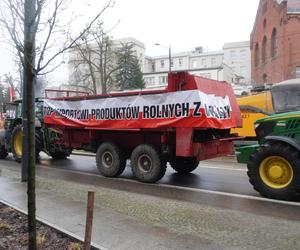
(39, 37)
(94, 60)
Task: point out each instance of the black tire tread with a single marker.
(118, 153)
(183, 165)
(290, 154)
(160, 169)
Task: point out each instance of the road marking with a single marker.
(198, 190)
(243, 196)
(224, 168)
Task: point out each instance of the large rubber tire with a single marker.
(274, 171)
(16, 143)
(3, 152)
(110, 160)
(184, 165)
(147, 164)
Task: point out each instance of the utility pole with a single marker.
(28, 115)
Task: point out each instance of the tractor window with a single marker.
(286, 100)
(10, 111)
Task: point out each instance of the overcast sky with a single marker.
(182, 24)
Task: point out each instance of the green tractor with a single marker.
(47, 139)
(274, 163)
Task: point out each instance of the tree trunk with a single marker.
(28, 154)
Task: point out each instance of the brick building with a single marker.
(275, 42)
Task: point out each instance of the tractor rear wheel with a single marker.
(110, 160)
(17, 140)
(274, 171)
(146, 163)
(16, 143)
(184, 165)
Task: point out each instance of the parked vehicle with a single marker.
(187, 122)
(274, 163)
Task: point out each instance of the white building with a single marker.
(232, 64)
(238, 57)
(205, 64)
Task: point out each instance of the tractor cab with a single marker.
(286, 96)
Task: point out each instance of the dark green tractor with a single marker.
(47, 139)
(274, 163)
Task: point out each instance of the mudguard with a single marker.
(288, 140)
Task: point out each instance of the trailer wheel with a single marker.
(110, 160)
(17, 140)
(184, 165)
(146, 164)
(3, 152)
(274, 171)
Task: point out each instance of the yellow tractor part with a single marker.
(252, 108)
(18, 143)
(276, 172)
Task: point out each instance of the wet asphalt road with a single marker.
(227, 176)
(218, 183)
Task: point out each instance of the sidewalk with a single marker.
(111, 230)
(148, 220)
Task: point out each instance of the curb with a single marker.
(83, 153)
(94, 246)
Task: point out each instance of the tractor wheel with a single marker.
(146, 163)
(184, 165)
(3, 152)
(16, 143)
(110, 160)
(274, 171)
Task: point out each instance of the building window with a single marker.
(162, 63)
(150, 80)
(213, 61)
(243, 71)
(298, 72)
(180, 62)
(256, 55)
(264, 50)
(153, 67)
(203, 62)
(274, 43)
(243, 55)
(265, 78)
(265, 24)
(194, 64)
(162, 79)
(232, 55)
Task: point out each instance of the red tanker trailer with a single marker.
(187, 122)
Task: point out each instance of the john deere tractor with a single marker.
(47, 139)
(274, 163)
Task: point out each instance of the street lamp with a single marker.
(168, 48)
